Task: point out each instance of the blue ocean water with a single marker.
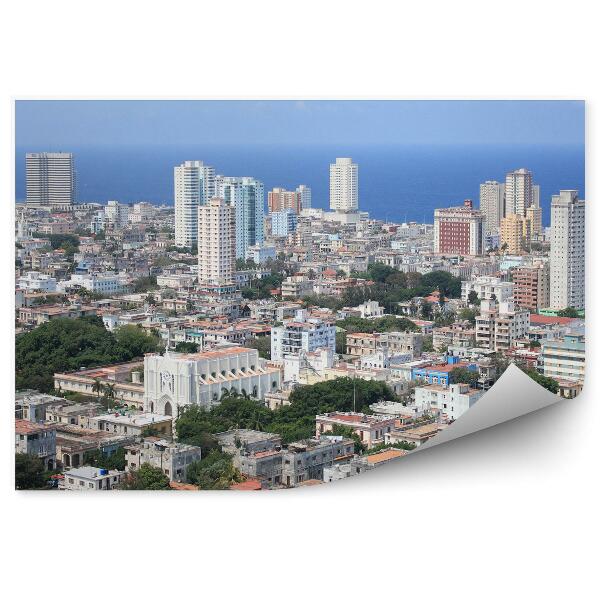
(396, 183)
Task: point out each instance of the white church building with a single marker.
(178, 379)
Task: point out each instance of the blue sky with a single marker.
(58, 124)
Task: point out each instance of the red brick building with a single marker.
(458, 230)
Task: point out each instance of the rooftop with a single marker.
(385, 455)
(24, 427)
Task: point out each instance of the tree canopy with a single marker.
(29, 472)
(462, 375)
(68, 344)
(546, 382)
(146, 477)
(215, 472)
(293, 422)
(387, 323)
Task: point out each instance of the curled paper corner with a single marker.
(513, 395)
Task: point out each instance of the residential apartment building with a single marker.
(452, 401)
(500, 324)
(343, 185)
(301, 335)
(519, 190)
(458, 230)
(305, 196)
(391, 342)
(175, 379)
(567, 251)
(194, 185)
(216, 242)
(283, 222)
(261, 253)
(296, 286)
(172, 458)
(532, 286)
(246, 195)
(98, 283)
(491, 205)
(487, 287)
(50, 179)
(564, 358)
(515, 234)
(279, 199)
(116, 213)
(34, 281)
(305, 460)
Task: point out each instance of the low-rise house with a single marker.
(138, 424)
(32, 405)
(371, 429)
(91, 479)
(417, 435)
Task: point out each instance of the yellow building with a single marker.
(515, 234)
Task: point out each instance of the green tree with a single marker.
(546, 382)
(468, 314)
(133, 341)
(568, 312)
(145, 284)
(146, 477)
(29, 472)
(462, 375)
(97, 387)
(69, 344)
(97, 458)
(262, 344)
(340, 342)
(186, 347)
(473, 298)
(215, 472)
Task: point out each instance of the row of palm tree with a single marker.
(106, 389)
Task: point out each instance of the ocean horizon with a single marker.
(396, 182)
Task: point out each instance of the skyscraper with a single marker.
(343, 185)
(216, 245)
(567, 251)
(50, 179)
(519, 192)
(247, 196)
(194, 185)
(305, 196)
(491, 204)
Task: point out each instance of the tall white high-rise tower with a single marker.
(519, 192)
(343, 185)
(50, 179)
(491, 204)
(216, 242)
(567, 251)
(194, 186)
